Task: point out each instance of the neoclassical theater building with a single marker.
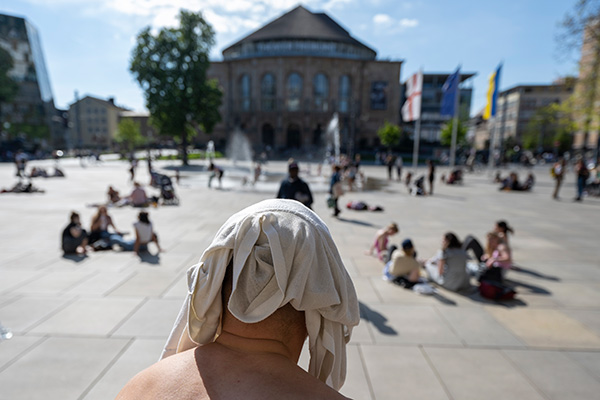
(283, 83)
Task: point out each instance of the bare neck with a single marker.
(250, 345)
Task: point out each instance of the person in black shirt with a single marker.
(295, 188)
(74, 237)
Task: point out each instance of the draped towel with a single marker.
(282, 253)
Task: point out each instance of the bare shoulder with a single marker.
(163, 380)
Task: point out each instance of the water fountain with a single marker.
(333, 137)
(239, 149)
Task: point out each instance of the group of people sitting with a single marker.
(137, 197)
(77, 240)
(512, 182)
(451, 267)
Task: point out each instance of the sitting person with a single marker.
(455, 177)
(144, 233)
(449, 267)
(271, 277)
(138, 197)
(529, 182)
(101, 221)
(74, 237)
(503, 229)
(402, 266)
(497, 254)
(113, 195)
(418, 188)
(380, 244)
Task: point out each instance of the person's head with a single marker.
(503, 228)
(336, 168)
(143, 217)
(392, 229)
(293, 170)
(450, 241)
(211, 166)
(429, 163)
(407, 247)
(234, 287)
(137, 185)
(74, 218)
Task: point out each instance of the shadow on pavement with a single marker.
(531, 288)
(448, 196)
(356, 221)
(534, 273)
(378, 320)
(75, 257)
(150, 258)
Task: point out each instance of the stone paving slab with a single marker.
(84, 326)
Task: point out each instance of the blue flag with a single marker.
(449, 93)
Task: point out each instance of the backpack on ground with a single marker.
(496, 291)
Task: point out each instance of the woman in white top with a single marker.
(144, 233)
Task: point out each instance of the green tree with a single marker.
(389, 134)
(171, 69)
(128, 135)
(446, 135)
(8, 87)
(550, 125)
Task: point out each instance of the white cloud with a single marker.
(409, 23)
(385, 24)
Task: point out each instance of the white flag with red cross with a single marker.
(411, 110)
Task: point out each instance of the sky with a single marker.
(87, 43)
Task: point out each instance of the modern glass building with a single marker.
(31, 116)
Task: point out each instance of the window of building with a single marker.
(268, 91)
(345, 94)
(294, 92)
(320, 92)
(245, 92)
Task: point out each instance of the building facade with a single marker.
(432, 121)
(31, 115)
(515, 109)
(93, 123)
(283, 83)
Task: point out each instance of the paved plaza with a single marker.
(83, 327)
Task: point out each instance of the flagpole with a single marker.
(455, 123)
(491, 148)
(416, 139)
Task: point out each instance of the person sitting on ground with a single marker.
(402, 267)
(408, 179)
(144, 234)
(138, 197)
(271, 277)
(101, 221)
(216, 172)
(455, 177)
(74, 237)
(113, 195)
(418, 188)
(380, 244)
(497, 253)
(529, 182)
(449, 267)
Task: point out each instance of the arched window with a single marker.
(345, 94)
(294, 92)
(268, 92)
(320, 92)
(245, 92)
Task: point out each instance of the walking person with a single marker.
(582, 176)
(390, 160)
(558, 172)
(431, 175)
(399, 165)
(295, 188)
(335, 188)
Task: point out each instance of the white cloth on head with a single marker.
(282, 253)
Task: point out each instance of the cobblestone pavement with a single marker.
(83, 327)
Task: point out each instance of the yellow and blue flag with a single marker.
(492, 94)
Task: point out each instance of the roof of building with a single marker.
(463, 75)
(110, 102)
(539, 87)
(301, 23)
